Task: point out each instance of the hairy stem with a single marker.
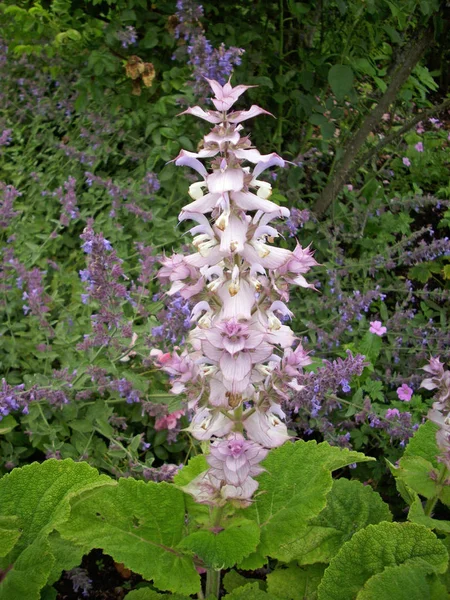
(212, 589)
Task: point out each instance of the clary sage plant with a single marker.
(256, 516)
(240, 362)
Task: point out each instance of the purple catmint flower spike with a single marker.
(241, 359)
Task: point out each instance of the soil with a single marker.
(109, 580)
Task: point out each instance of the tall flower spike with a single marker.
(239, 363)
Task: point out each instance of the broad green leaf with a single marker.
(403, 582)
(295, 583)
(140, 525)
(251, 591)
(233, 580)
(373, 549)
(39, 496)
(293, 490)
(351, 506)
(148, 594)
(9, 534)
(340, 78)
(29, 572)
(67, 555)
(225, 548)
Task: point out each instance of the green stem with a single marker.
(431, 502)
(212, 589)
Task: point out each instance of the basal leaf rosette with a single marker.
(241, 359)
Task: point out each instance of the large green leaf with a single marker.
(295, 583)
(403, 582)
(351, 506)
(29, 573)
(9, 533)
(223, 549)
(375, 548)
(67, 556)
(251, 591)
(293, 490)
(38, 495)
(140, 525)
(233, 580)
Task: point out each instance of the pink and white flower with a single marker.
(240, 349)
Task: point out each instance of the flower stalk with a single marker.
(241, 359)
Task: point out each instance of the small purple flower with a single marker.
(406, 161)
(345, 386)
(419, 147)
(392, 412)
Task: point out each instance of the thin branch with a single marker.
(434, 110)
(410, 57)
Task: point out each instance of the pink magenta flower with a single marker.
(169, 421)
(377, 328)
(240, 349)
(404, 392)
(406, 161)
(419, 147)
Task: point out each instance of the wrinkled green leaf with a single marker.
(29, 573)
(140, 525)
(39, 496)
(233, 580)
(9, 534)
(225, 548)
(404, 582)
(351, 506)
(375, 548)
(293, 490)
(295, 583)
(251, 591)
